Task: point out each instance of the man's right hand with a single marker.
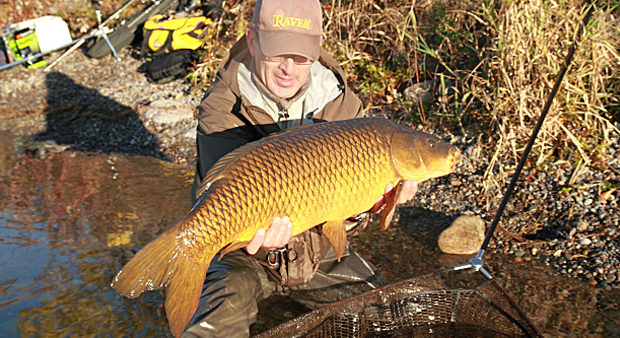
(410, 188)
(277, 236)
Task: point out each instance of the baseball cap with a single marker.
(288, 27)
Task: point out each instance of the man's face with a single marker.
(282, 77)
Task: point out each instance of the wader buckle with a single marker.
(274, 256)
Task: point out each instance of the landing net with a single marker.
(420, 306)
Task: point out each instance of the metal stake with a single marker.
(101, 28)
(476, 262)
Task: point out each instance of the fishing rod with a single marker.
(476, 263)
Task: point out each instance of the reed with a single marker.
(530, 40)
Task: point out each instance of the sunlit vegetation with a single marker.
(488, 66)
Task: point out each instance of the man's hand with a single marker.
(277, 236)
(406, 194)
(279, 232)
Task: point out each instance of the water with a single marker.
(69, 221)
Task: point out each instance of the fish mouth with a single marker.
(454, 160)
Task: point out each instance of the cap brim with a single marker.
(282, 43)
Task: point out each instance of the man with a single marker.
(275, 77)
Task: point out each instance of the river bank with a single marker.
(564, 216)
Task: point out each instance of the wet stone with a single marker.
(464, 236)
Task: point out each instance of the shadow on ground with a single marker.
(85, 120)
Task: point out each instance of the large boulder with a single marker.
(463, 237)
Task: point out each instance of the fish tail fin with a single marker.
(150, 269)
(163, 264)
(183, 293)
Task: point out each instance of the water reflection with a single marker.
(67, 224)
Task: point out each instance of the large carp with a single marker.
(319, 174)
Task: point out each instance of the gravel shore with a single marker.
(564, 216)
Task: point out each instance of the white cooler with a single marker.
(52, 32)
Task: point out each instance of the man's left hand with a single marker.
(276, 236)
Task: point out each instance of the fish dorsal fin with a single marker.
(387, 213)
(337, 235)
(216, 170)
(215, 173)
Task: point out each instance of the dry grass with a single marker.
(375, 48)
(229, 27)
(503, 58)
(530, 41)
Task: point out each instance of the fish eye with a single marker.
(431, 143)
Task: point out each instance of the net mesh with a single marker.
(419, 306)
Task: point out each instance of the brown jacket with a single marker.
(227, 119)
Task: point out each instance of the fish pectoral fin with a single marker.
(232, 246)
(387, 213)
(337, 235)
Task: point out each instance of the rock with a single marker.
(463, 237)
(190, 133)
(169, 112)
(582, 226)
(424, 91)
(519, 253)
(572, 232)
(420, 92)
